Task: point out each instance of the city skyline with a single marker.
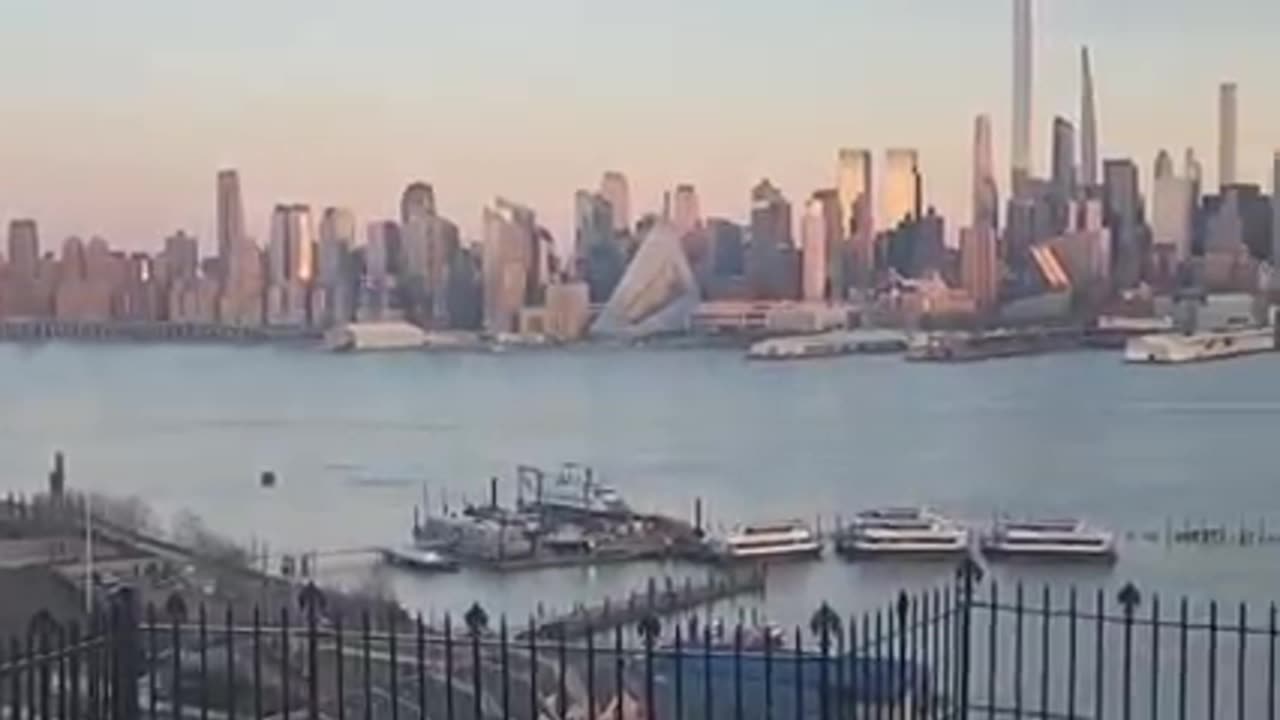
(296, 146)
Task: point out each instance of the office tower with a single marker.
(770, 233)
(291, 250)
(1275, 210)
(598, 256)
(1088, 125)
(73, 264)
(230, 222)
(686, 214)
(986, 195)
(418, 200)
(728, 250)
(1022, 82)
(508, 263)
(180, 259)
(1064, 158)
(24, 249)
(979, 265)
(337, 238)
(857, 224)
(1172, 199)
(657, 294)
(822, 273)
(1122, 214)
(1227, 134)
(614, 188)
(902, 187)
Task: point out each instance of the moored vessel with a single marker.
(1178, 348)
(770, 541)
(1064, 539)
(902, 532)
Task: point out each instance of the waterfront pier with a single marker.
(655, 601)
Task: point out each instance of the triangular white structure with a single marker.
(658, 292)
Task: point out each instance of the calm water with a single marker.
(1079, 434)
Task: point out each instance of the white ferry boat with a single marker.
(1066, 539)
(915, 532)
(1176, 348)
(772, 541)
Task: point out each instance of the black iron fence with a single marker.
(967, 651)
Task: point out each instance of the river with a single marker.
(352, 438)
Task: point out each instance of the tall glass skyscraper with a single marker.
(1088, 125)
(986, 198)
(1022, 80)
(902, 186)
(1227, 134)
(230, 220)
(856, 221)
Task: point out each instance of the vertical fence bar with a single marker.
(768, 677)
(562, 692)
(707, 704)
(882, 687)
(393, 666)
(229, 632)
(679, 673)
(737, 671)
(1212, 710)
(1099, 664)
(799, 655)
(15, 680)
(448, 666)
(1271, 664)
(339, 667)
(1046, 610)
(202, 621)
(1182, 659)
(1241, 642)
(535, 709)
(65, 650)
(619, 665)
(1072, 617)
(993, 653)
(257, 663)
(591, 668)
(904, 609)
(1128, 603)
(73, 670)
(44, 673)
(1018, 612)
(175, 652)
(504, 650)
(841, 655)
(420, 661)
(477, 674)
(950, 669)
(855, 670)
(313, 656)
(286, 696)
(153, 662)
(650, 632)
(366, 665)
(1155, 657)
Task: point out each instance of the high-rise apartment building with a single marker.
(770, 235)
(1275, 210)
(510, 234)
(1122, 214)
(980, 265)
(290, 255)
(902, 187)
(1022, 87)
(1063, 176)
(686, 212)
(986, 194)
(614, 188)
(822, 269)
(1228, 137)
(417, 201)
(1088, 126)
(24, 248)
(180, 259)
(857, 223)
(1172, 208)
(230, 222)
(598, 255)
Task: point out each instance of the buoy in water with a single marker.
(268, 479)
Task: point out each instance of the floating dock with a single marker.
(669, 600)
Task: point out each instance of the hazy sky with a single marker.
(114, 116)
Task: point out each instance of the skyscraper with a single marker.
(822, 274)
(1171, 208)
(986, 195)
(1088, 125)
(1123, 216)
(857, 224)
(1022, 81)
(614, 188)
(598, 255)
(1064, 158)
(979, 265)
(24, 249)
(1227, 134)
(230, 223)
(770, 235)
(509, 263)
(1275, 210)
(686, 214)
(902, 186)
(417, 200)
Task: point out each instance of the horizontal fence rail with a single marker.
(969, 650)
